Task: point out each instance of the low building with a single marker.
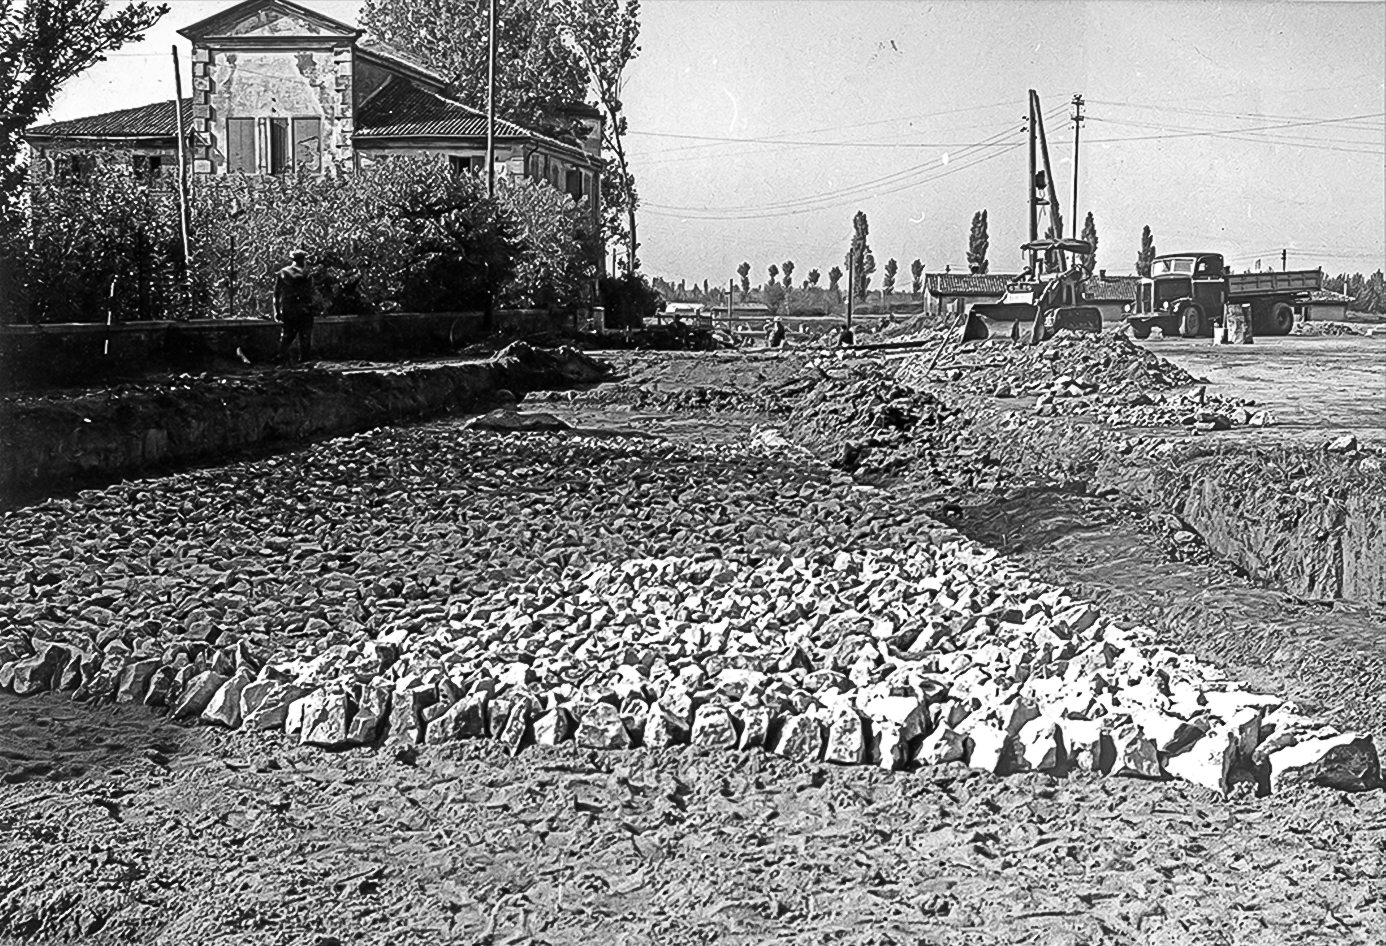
(955, 293)
(1324, 305)
(281, 89)
(1111, 294)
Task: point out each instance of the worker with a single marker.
(294, 306)
(777, 334)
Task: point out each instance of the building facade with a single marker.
(280, 89)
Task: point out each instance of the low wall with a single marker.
(41, 355)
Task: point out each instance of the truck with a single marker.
(1187, 293)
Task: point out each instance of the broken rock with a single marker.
(1348, 762)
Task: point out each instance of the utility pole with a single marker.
(1077, 124)
(731, 302)
(182, 167)
(1284, 257)
(1031, 186)
(851, 272)
(491, 101)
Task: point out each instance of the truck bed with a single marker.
(1241, 285)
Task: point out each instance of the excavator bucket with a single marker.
(1013, 320)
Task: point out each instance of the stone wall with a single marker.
(40, 355)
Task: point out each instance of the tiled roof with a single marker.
(1328, 295)
(146, 121)
(401, 109)
(1110, 288)
(967, 284)
(383, 50)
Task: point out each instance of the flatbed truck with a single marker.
(1186, 293)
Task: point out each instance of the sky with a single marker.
(758, 128)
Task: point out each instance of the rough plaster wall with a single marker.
(107, 154)
(272, 22)
(272, 84)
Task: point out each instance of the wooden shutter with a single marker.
(240, 145)
(308, 144)
(278, 145)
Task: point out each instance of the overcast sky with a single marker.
(759, 127)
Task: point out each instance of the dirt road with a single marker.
(1314, 385)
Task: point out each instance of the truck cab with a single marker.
(1184, 294)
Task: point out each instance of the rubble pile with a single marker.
(1327, 329)
(1077, 362)
(893, 658)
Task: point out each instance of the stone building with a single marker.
(278, 88)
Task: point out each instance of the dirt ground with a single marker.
(1313, 385)
(120, 827)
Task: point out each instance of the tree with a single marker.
(977, 243)
(916, 277)
(859, 259)
(605, 35)
(1089, 260)
(537, 72)
(774, 298)
(774, 274)
(892, 269)
(1147, 253)
(788, 273)
(744, 271)
(43, 44)
(834, 277)
(813, 277)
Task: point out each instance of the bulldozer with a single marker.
(1048, 296)
(1034, 307)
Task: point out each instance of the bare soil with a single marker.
(120, 827)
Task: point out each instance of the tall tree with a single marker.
(916, 277)
(1089, 260)
(774, 274)
(834, 277)
(892, 269)
(813, 277)
(977, 243)
(860, 254)
(744, 271)
(1147, 253)
(605, 34)
(537, 73)
(44, 43)
(788, 270)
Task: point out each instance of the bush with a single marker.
(405, 235)
(629, 300)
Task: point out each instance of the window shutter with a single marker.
(240, 145)
(308, 144)
(279, 145)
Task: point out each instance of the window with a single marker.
(240, 145)
(74, 167)
(464, 164)
(574, 187)
(147, 167)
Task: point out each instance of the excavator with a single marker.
(1048, 296)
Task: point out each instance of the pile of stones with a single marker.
(895, 658)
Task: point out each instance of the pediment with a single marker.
(269, 19)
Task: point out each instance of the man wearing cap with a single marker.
(294, 303)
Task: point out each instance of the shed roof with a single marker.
(1328, 296)
(967, 284)
(143, 121)
(1111, 288)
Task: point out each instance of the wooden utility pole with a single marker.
(1077, 123)
(491, 101)
(851, 272)
(183, 222)
(1032, 185)
(1284, 260)
(731, 301)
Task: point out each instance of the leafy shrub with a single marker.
(405, 235)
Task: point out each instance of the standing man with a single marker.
(294, 305)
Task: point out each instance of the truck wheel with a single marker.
(1191, 322)
(1281, 320)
